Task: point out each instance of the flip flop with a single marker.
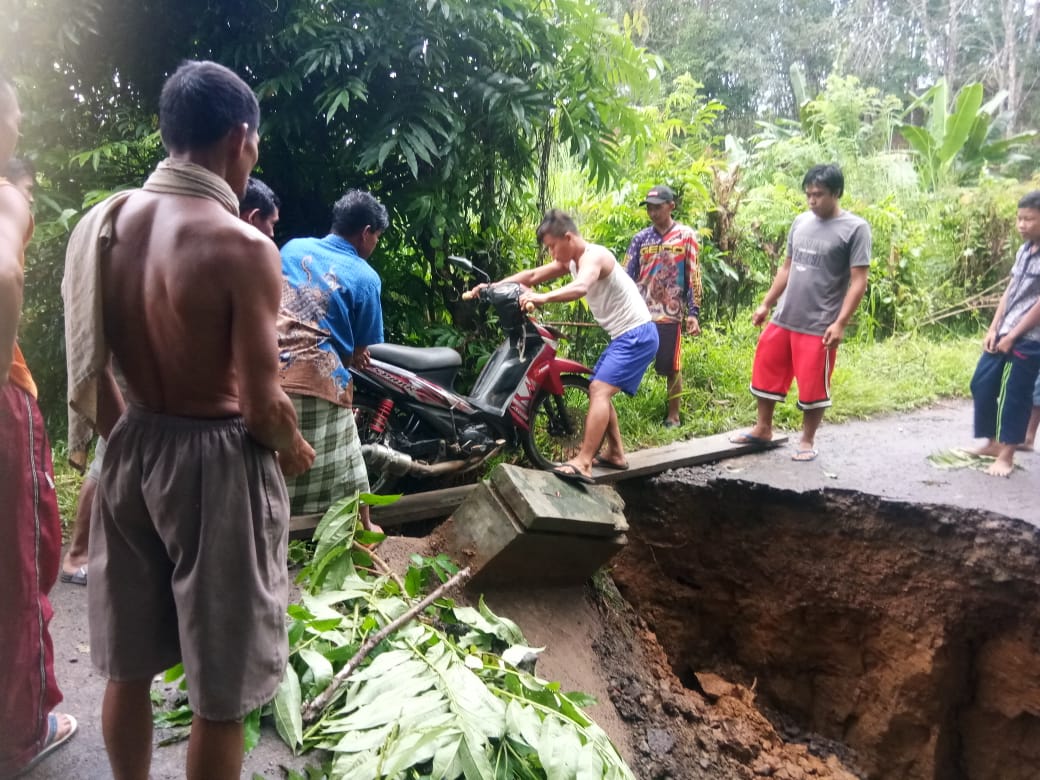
(78, 577)
(804, 456)
(52, 742)
(603, 463)
(747, 438)
(569, 472)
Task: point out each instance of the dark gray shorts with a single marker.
(188, 542)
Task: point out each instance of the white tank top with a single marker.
(615, 301)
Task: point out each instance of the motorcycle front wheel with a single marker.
(557, 423)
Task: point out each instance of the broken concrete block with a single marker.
(522, 526)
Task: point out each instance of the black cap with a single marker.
(662, 193)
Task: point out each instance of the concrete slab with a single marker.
(523, 526)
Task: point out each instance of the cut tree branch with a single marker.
(317, 704)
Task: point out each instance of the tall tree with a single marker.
(442, 107)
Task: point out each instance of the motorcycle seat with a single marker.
(417, 359)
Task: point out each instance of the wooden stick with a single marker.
(383, 567)
(313, 708)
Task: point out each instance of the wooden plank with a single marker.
(688, 452)
(416, 506)
(642, 463)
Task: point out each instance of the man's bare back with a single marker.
(168, 288)
(190, 297)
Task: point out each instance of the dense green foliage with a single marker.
(445, 109)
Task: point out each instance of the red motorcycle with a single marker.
(413, 423)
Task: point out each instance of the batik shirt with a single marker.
(666, 270)
(330, 308)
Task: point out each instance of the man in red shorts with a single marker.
(818, 288)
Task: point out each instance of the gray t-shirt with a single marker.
(1023, 291)
(822, 251)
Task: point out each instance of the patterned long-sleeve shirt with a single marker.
(330, 308)
(666, 270)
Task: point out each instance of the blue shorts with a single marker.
(627, 357)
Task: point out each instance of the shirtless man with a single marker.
(187, 555)
(619, 309)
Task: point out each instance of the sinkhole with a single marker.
(908, 633)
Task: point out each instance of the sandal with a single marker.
(52, 741)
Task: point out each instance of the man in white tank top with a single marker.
(619, 309)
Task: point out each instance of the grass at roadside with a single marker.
(66, 483)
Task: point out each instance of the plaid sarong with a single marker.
(339, 469)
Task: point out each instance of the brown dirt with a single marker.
(909, 633)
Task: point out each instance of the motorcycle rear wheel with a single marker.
(557, 423)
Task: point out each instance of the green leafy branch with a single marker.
(442, 696)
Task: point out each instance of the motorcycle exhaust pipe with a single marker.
(379, 457)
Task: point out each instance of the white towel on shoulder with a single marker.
(85, 347)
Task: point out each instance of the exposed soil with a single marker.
(909, 633)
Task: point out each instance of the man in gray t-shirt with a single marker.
(819, 286)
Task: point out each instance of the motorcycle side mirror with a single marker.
(466, 265)
(461, 262)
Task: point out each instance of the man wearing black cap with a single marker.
(662, 259)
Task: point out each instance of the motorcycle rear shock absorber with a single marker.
(382, 414)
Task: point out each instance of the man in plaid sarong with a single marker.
(330, 314)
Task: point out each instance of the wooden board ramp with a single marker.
(641, 463)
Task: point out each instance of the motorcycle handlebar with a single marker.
(469, 295)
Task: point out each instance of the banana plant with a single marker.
(951, 146)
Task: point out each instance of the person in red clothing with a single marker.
(29, 523)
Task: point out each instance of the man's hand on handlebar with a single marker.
(469, 295)
(530, 300)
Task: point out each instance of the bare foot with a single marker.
(1005, 462)
(368, 525)
(990, 450)
(1026, 446)
(1000, 468)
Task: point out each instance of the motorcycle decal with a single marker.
(416, 387)
(545, 374)
(523, 399)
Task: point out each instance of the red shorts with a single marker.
(783, 355)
